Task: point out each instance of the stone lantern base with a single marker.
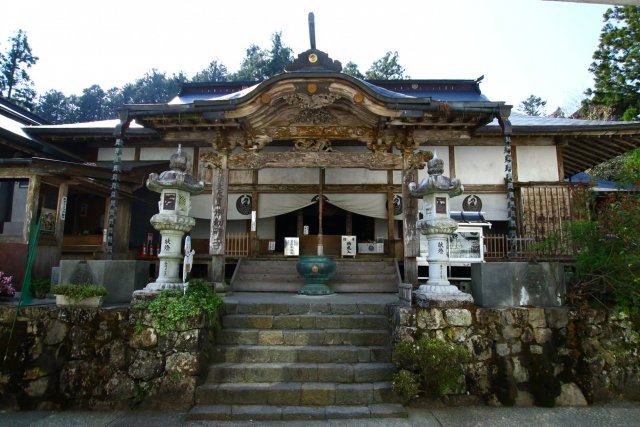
(445, 296)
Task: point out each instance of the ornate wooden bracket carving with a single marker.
(374, 160)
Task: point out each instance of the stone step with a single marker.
(292, 413)
(297, 337)
(231, 307)
(292, 393)
(306, 321)
(379, 276)
(298, 354)
(300, 372)
(360, 286)
(364, 276)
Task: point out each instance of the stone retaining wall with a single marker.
(535, 356)
(98, 358)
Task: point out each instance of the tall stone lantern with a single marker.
(437, 226)
(175, 187)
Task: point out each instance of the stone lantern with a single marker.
(437, 226)
(175, 187)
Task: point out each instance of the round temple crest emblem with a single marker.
(397, 204)
(243, 204)
(472, 203)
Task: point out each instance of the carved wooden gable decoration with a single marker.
(312, 112)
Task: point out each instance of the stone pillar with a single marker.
(505, 124)
(411, 240)
(437, 225)
(219, 196)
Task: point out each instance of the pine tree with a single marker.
(616, 65)
(15, 83)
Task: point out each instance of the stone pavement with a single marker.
(619, 414)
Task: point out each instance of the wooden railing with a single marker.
(237, 244)
(497, 247)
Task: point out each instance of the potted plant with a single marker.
(84, 294)
(41, 287)
(7, 291)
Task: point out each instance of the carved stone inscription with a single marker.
(219, 189)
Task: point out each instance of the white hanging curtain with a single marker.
(278, 204)
(373, 205)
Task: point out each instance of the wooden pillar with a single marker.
(253, 234)
(299, 223)
(349, 223)
(560, 160)
(219, 195)
(390, 249)
(31, 211)
(61, 215)
(411, 238)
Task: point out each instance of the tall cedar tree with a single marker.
(616, 65)
(386, 68)
(532, 106)
(15, 83)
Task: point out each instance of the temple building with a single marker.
(311, 154)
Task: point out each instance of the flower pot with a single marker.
(63, 300)
(316, 271)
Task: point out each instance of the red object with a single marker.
(144, 249)
(151, 250)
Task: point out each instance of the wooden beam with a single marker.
(375, 160)
(313, 188)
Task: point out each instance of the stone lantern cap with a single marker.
(177, 177)
(436, 182)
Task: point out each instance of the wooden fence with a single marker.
(237, 244)
(499, 246)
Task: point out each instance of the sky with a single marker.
(522, 47)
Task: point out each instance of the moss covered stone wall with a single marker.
(98, 358)
(535, 356)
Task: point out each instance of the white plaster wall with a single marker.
(480, 165)
(165, 153)
(355, 176)
(289, 176)
(106, 154)
(267, 228)
(493, 205)
(537, 163)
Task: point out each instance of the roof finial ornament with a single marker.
(312, 30)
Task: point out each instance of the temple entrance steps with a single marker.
(318, 358)
(280, 275)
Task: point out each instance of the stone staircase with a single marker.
(280, 275)
(310, 361)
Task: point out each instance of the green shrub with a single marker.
(77, 292)
(171, 309)
(607, 260)
(41, 286)
(428, 366)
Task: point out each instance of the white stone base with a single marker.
(160, 286)
(440, 295)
